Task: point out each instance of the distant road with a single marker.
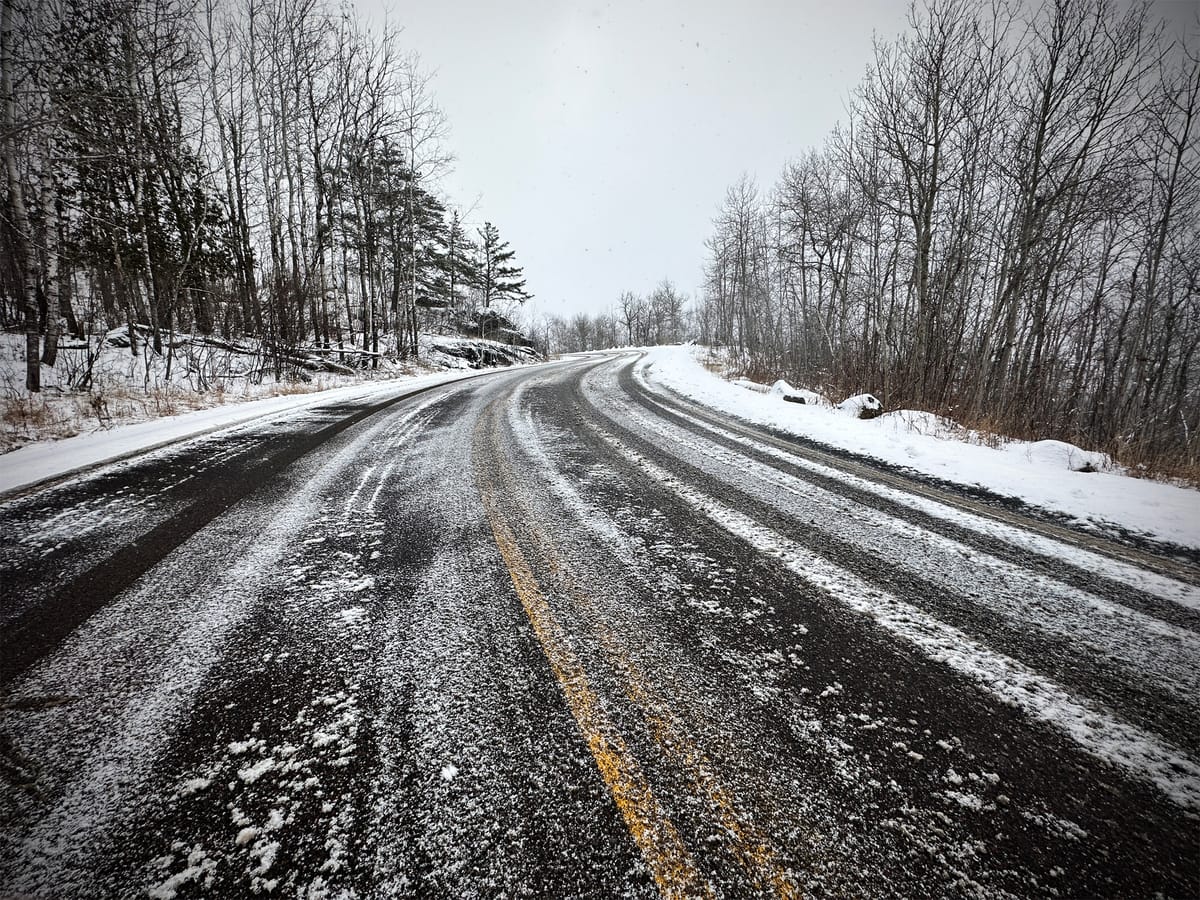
(555, 632)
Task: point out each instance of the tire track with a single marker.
(1180, 569)
(1176, 602)
(887, 804)
(34, 633)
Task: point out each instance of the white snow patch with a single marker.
(860, 403)
(352, 614)
(968, 801)
(193, 785)
(198, 870)
(1040, 473)
(251, 774)
(1096, 731)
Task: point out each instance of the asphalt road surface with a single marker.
(556, 633)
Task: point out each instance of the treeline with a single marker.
(659, 317)
(1006, 229)
(263, 168)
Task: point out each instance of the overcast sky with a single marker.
(599, 137)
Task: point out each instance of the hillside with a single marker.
(108, 380)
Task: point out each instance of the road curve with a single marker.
(555, 632)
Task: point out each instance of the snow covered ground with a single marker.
(101, 402)
(925, 701)
(44, 460)
(1041, 473)
(99, 383)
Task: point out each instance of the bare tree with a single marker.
(21, 230)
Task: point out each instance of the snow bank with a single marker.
(44, 460)
(1048, 474)
(862, 406)
(98, 384)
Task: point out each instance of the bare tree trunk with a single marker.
(53, 287)
(22, 236)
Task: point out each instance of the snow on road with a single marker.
(46, 460)
(1127, 637)
(1130, 641)
(332, 688)
(1040, 473)
(1116, 570)
(1028, 634)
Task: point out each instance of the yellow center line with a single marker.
(658, 840)
(671, 864)
(751, 848)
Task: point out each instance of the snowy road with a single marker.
(556, 633)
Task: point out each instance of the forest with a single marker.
(1005, 229)
(661, 316)
(263, 169)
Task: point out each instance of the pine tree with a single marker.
(461, 269)
(498, 278)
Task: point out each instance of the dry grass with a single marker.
(31, 418)
(1185, 473)
(717, 362)
(53, 414)
(291, 388)
(759, 374)
(1181, 467)
(1140, 461)
(986, 431)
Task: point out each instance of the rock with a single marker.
(478, 353)
(862, 406)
